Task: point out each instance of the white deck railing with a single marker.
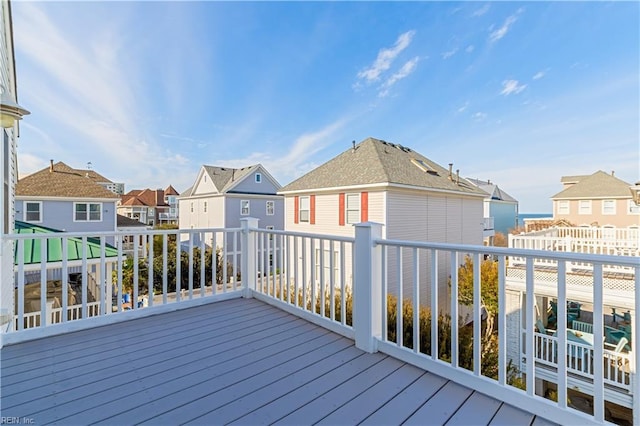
(326, 279)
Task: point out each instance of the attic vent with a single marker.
(403, 148)
(424, 166)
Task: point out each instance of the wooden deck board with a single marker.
(238, 361)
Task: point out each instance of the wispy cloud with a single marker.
(470, 48)
(386, 57)
(479, 12)
(85, 86)
(450, 53)
(479, 116)
(408, 68)
(539, 75)
(506, 26)
(298, 159)
(464, 107)
(510, 87)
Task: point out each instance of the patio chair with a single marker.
(622, 344)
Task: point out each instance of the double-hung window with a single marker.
(33, 211)
(87, 212)
(270, 208)
(305, 206)
(562, 206)
(352, 208)
(609, 207)
(584, 207)
(244, 207)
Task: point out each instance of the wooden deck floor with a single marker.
(239, 361)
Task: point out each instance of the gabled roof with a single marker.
(373, 161)
(147, 197)
(171, 191)
(54, 246)
(495, 193)
(225, 177)
(597, 185)
(132, 201)
(60, 180)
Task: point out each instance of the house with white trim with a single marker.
(413, 197)
(64, 198)
(221, 196)
(500, 209)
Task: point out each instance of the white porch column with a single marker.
(367, 289)
(248, 255)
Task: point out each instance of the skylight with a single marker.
(424, 166)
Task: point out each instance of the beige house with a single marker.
(413, 198)
(600, 199)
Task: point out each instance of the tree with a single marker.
(488, 289)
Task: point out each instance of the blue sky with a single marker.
(520, 93)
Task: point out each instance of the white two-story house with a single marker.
(413, 198)
(221, 196)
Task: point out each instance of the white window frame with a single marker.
(632, 207)
(245, 207)
(258, 177)
(87, 212)
(271, 207)
(352, 208)
(563, 207)
(26, 211)
(584, 207)
(304, 206)
(609, 207)
(270, 228)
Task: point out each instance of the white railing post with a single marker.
(248, 257)
(367, 302)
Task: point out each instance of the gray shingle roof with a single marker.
(493, 190)
(225, 177)
(597, 185)
(373, 162)
(61, 180)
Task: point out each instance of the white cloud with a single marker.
(408, 68)
(386, 57)
(512, 87)
(479, 116)
(450, 53)
(464, 107)
(479, 12)
(539, 75)
(506, 26)
(299, 156)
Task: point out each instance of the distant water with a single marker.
(523, 216)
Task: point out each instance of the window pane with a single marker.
(353, 216)
(81, 212)
(304, 215)
(94, 212)
(304, 203)
(353, 201)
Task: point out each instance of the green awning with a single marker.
(54, 246)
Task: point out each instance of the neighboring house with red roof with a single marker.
(150, 206)
(599, 199)
(67, 199)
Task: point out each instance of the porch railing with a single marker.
(416, 301)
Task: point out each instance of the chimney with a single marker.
(353, 144)
(50, 166)
(458, 176)
(613, 173)
(450, 171)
